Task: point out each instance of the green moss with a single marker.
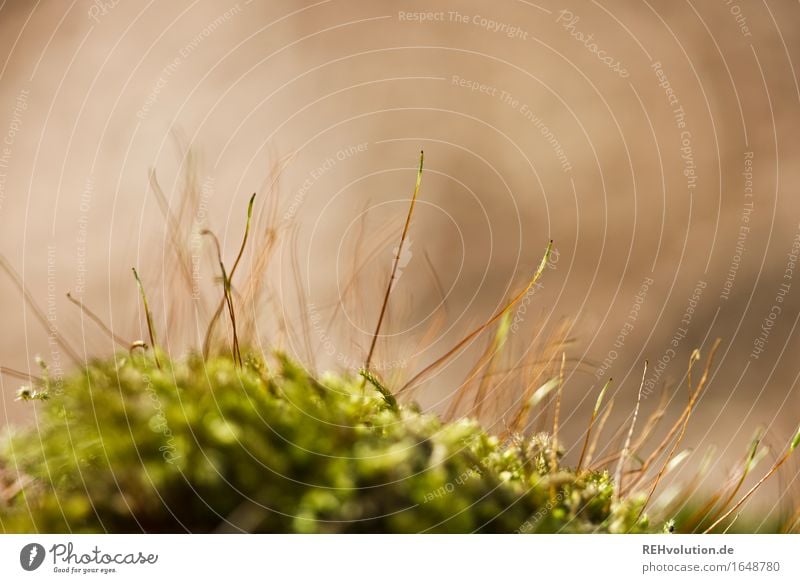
(202, 445)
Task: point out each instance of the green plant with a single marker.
(231, 439)
(205, 445)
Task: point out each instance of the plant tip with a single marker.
(795, 441)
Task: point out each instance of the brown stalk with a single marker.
(595, 411)
(792, 446)
(556, 417)
(264, 246)
(626, 447)
(600, 425)
(745, 472)
(37, 311)
(96, 319)
(704, 513)
(469, 337)
(358, 267)
(664, 443)
(255, 281)
(652, 422)
(302, 298)
(227, 299)
(20, 375)
(435, 277)
(693, 398)
(792, 523)
(226, 294)
(490, 356)
(439, 318)
(687, 492)
(173, 225)
(396, 262)
(552, 346)
(346, 297)
(467, 384)
(435, 327)
(580, 365)
(148, 316)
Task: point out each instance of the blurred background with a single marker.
(655, 143)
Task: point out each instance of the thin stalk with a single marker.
(96, 319)
(37, 311)
(749, 463)
(626, 447)
(668, 438)
(385, 393)
(436, 363)
(218, 312)
(533, 401)
(20, 375)
(227, 299)
(652, 422)
(727, 528)
(793, 522)
(694, 396)
(556, 416)
(490, 357)
(695, 356)
(396, 262)
(596, 410)
(148, 316)
(600, 426)
(173, 228)
(792, 446)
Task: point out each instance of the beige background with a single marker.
(93, 95)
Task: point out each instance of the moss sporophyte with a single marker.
(229, 438)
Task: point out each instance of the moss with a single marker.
(202, 445)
